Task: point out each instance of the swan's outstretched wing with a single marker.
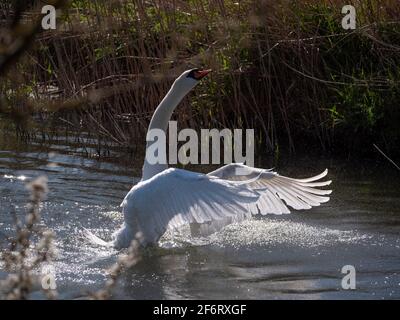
(280, 191)
(237, 171)
(176, 197)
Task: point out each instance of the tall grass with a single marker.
(285, 68)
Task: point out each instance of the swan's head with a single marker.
(189, 78)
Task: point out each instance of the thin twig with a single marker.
(394, 163)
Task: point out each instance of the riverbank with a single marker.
(288, 70)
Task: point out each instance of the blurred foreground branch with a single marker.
(29, 249)
(19, 35)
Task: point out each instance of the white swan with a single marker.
(169, 198)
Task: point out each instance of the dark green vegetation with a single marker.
(285, 68)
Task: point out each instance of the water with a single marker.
(297, 256)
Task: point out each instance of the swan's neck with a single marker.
(164, 110)
(160, 120)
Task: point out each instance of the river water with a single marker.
(296, 256)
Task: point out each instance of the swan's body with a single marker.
(169, 198)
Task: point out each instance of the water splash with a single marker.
(265, 232)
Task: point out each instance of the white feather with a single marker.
(281, 191)
(176, 197)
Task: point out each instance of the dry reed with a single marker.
(284, 68)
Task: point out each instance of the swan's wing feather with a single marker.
(280, 191)
(237, 171)
(191, 198)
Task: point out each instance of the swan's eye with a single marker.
(198, 74)
(192, 74)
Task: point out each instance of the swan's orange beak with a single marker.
(200, 74)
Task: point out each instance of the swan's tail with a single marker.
(95, 239)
